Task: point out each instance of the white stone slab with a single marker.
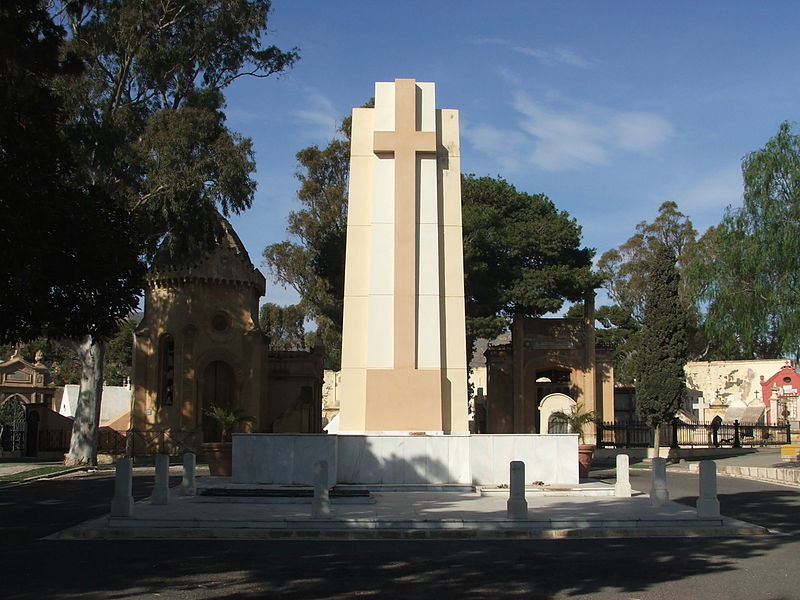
(403, 459)
(286, 459)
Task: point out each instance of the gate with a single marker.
(13, 424)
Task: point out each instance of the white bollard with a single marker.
(122, 503)
(517, 506)
(321, 503)
(707, 502)
(622, 487)
(188, 486)
(161, 488)
(659, 495)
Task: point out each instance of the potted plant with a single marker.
(576, 419)
(220, 454)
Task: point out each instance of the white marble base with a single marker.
(289, 459)
(282, 458)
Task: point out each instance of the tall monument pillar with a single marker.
(404, 363)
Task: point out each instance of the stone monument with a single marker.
(404, 364)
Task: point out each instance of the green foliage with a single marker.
(662, 344)
(227, 419)
(283, 326)
(54, 219)
(522, 256)
(749, 273)
(119, 354)
(624, 269)
(576, 419)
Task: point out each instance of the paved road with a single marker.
(753, 568)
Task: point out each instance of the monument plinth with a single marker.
(404, 364)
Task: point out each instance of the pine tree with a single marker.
(662, 344)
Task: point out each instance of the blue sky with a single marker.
(609, 108)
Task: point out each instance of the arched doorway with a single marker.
(218, 390)
(13, 423)
(32, 434)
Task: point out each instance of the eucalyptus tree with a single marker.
(750, 273)
(147, 122)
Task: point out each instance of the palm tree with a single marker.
(576, 419)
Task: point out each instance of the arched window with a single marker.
(166, 358)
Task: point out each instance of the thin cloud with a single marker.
(554, 134)
(554, 56)
(320, 116)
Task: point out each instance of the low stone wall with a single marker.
(778, 475)
(288, 459)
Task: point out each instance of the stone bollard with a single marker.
(622, 487)
(321, 504)
(122, 503)
(517, 506)
(707, 503)
(188, 486)
(659, 496)
(161, 488)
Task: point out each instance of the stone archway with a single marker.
(219, 384)
(550, 404)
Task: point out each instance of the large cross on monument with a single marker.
(404, 143)
(403, 349)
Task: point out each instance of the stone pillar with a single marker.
(707, 503)
(659, 496)
(404, 360)
(122, 503)
(161, 487)
(622, 487)
(517, 506)
(188, 486)
(321, 504)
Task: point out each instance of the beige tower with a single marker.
(404, 359)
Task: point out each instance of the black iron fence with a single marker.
(681, 435)
(129, 443)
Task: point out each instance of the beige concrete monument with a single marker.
(404, 359)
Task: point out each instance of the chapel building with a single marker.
(199, 345)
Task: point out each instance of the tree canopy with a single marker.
(124, 101)
(54, 221)
(522, 256)
(624, 269)
(283, 325)
(749, 275)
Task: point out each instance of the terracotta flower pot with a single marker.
(585, 454)
(220, 458)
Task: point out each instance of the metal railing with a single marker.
(129, 443)
(680, 435)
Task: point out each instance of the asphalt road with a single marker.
(747, 568)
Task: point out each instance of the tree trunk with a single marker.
(656, 440)
(86, 428)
